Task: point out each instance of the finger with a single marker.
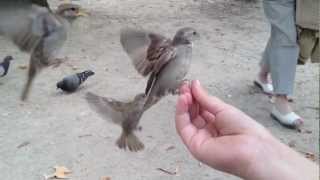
(211, 128)
(209, 103)
(184, 126)
(185, 88)
(195, 144)
(199, 122)
(207, 116)
(194, 109)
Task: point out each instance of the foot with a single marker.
(290, 120)
(263, 82)
(284, 113)
(266, 88)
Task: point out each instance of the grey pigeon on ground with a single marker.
(166, 62)
(4, 65)
(72, 82)
(35, 29)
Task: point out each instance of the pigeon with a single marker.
(165, 61)
(4, 65)
(126, 114)
(72, 82)
(35, 29)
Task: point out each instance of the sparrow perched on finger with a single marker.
(4, 65)
(35, 29)
(72, 82)
(165, 61)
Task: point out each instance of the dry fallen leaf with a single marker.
(310, 156)
(61, 172)
(106, 178)
(23, 67)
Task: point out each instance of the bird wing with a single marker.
(107, 107)
(149, 52)
(42, 3)
(25, 23)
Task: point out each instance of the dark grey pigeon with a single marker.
(4, 65)
(72, 82)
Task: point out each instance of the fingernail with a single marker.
(197, 83)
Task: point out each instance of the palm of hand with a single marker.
(217, 133)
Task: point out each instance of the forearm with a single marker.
(280, 162)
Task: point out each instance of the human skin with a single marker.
(228, 140)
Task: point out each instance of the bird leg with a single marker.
(31, 75)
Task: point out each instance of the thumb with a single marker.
(209, 103)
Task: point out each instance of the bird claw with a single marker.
(176, 91)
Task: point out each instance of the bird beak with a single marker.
(82, 12)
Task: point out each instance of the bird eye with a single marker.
(73, 9)
(194, 33)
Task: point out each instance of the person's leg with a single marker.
(315, 56)
(262, 80)
(282, 50)
(264, 67)
(307, 41)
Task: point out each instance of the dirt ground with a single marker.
(54, 128)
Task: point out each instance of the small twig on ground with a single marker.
(26, 143)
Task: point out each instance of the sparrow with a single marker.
(36, 30)
(125, 114)
(4, 65)
(72, 82)
(165, 61)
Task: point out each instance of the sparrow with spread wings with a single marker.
(165, 61)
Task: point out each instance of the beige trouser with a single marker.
(309, 46)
